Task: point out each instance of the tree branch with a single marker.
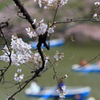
(25, 13)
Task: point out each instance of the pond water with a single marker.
(87, 51)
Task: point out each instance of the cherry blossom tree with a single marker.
(19, 52)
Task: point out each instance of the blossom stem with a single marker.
(55, 14)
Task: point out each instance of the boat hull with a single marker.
(53, 43)
(92, 68)
(71, 92)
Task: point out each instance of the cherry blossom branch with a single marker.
(95, 10)
(41, 40)
(49, 66)
(70, 52)
(15, 13)
(55, 73)
(3, 25)
(68, 20)
(74, 20)
(25, 84)
(61, 89)
(55, 13)
(25, 13)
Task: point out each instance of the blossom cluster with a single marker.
(50, 3)
(36, 59)
(97, 3)
(30, 33)
(18, 77)
(41, 28)
(62, 91)
(46, 61)
(95, 15)
(11, 98)
(59, 56)
(62, 87)
(21, 52)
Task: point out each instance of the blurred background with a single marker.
(87, 43)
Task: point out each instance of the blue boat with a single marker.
(50, 92)
(53, 43)
(91, 68)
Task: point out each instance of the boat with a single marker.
(91, 68)
(53, 43)
(50, 92)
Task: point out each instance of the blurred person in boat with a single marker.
(34, 88)
(61, 86)
(61, 89)
(78, 97)
(61, 83)
(98, 63)
(83, 62)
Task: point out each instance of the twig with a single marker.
(2, 25)
(25, 13)
(55, 14)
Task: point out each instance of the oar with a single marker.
(47, 94)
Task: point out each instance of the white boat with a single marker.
(53, 43)
(91, 68)
(50, 92)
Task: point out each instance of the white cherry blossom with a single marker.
(66, 75)
(9, 97)
(62, 91)
(34, 21)
(51, 3)
(19, 70)
(51, 30)
(30, 33)
(21, 52)
(18, 77)
(97, 3)
(95, 15)
(41, 29)
(56, 56)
